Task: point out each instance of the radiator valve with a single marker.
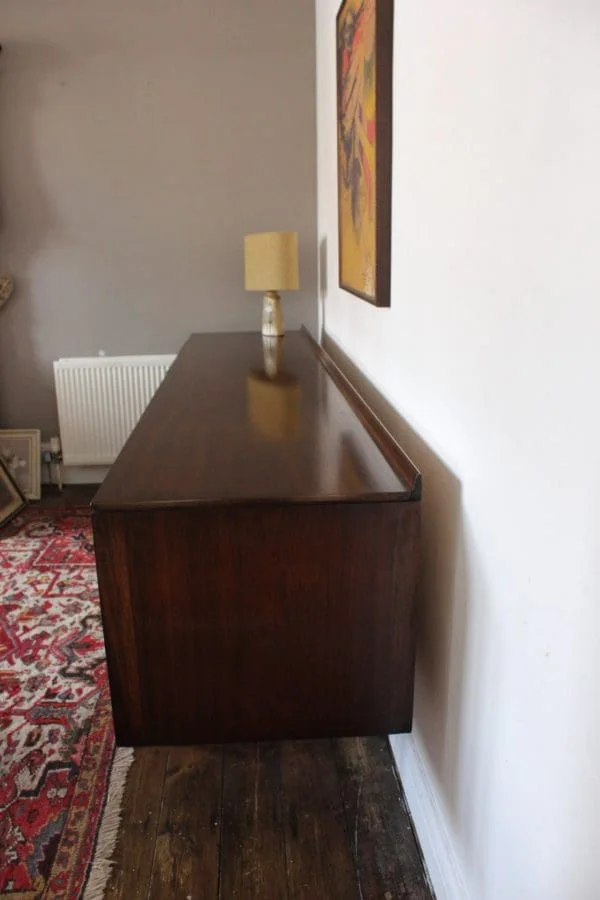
(52, 457)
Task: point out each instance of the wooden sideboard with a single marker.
(257, 544)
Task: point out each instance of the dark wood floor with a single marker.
(294, 820)
(72, 495)
(300, 820)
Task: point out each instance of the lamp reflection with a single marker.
(273, 396)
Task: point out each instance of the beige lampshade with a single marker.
(272, 261)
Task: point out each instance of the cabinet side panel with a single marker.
(249, 623)
(118, 620)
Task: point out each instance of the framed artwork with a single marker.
(364, 143)
(20, 453)
(12, 500)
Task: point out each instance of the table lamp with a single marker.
(271, 263)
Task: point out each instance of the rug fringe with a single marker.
(109, 829)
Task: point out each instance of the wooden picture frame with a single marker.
(364, 31)
(20, 453)
(12, 500)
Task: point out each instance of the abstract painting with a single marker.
(364, 90)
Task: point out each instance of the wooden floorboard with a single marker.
(134, 855)
(72, 496)
(386, 854)
(186, 855)
(253, 848)
(319, 857)
(294, 820)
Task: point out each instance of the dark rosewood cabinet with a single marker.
(258, 545)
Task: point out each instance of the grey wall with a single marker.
(139, 141)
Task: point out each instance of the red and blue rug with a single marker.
(57, 748)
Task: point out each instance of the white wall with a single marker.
(139, 141)
(490, 360)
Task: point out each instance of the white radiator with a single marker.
(100, 400)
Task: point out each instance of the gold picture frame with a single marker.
(12, 500)
(21, 455)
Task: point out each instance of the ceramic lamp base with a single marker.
(272, 315)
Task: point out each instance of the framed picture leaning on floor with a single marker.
(12, 500)
(20, 453)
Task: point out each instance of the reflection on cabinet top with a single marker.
(239, 420)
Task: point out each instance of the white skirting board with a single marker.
(429, 820)
(77, 474)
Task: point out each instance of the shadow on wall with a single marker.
(451, 634)
(24, 71)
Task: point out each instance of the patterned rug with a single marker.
(58, 812)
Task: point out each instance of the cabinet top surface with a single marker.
(233, 422)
